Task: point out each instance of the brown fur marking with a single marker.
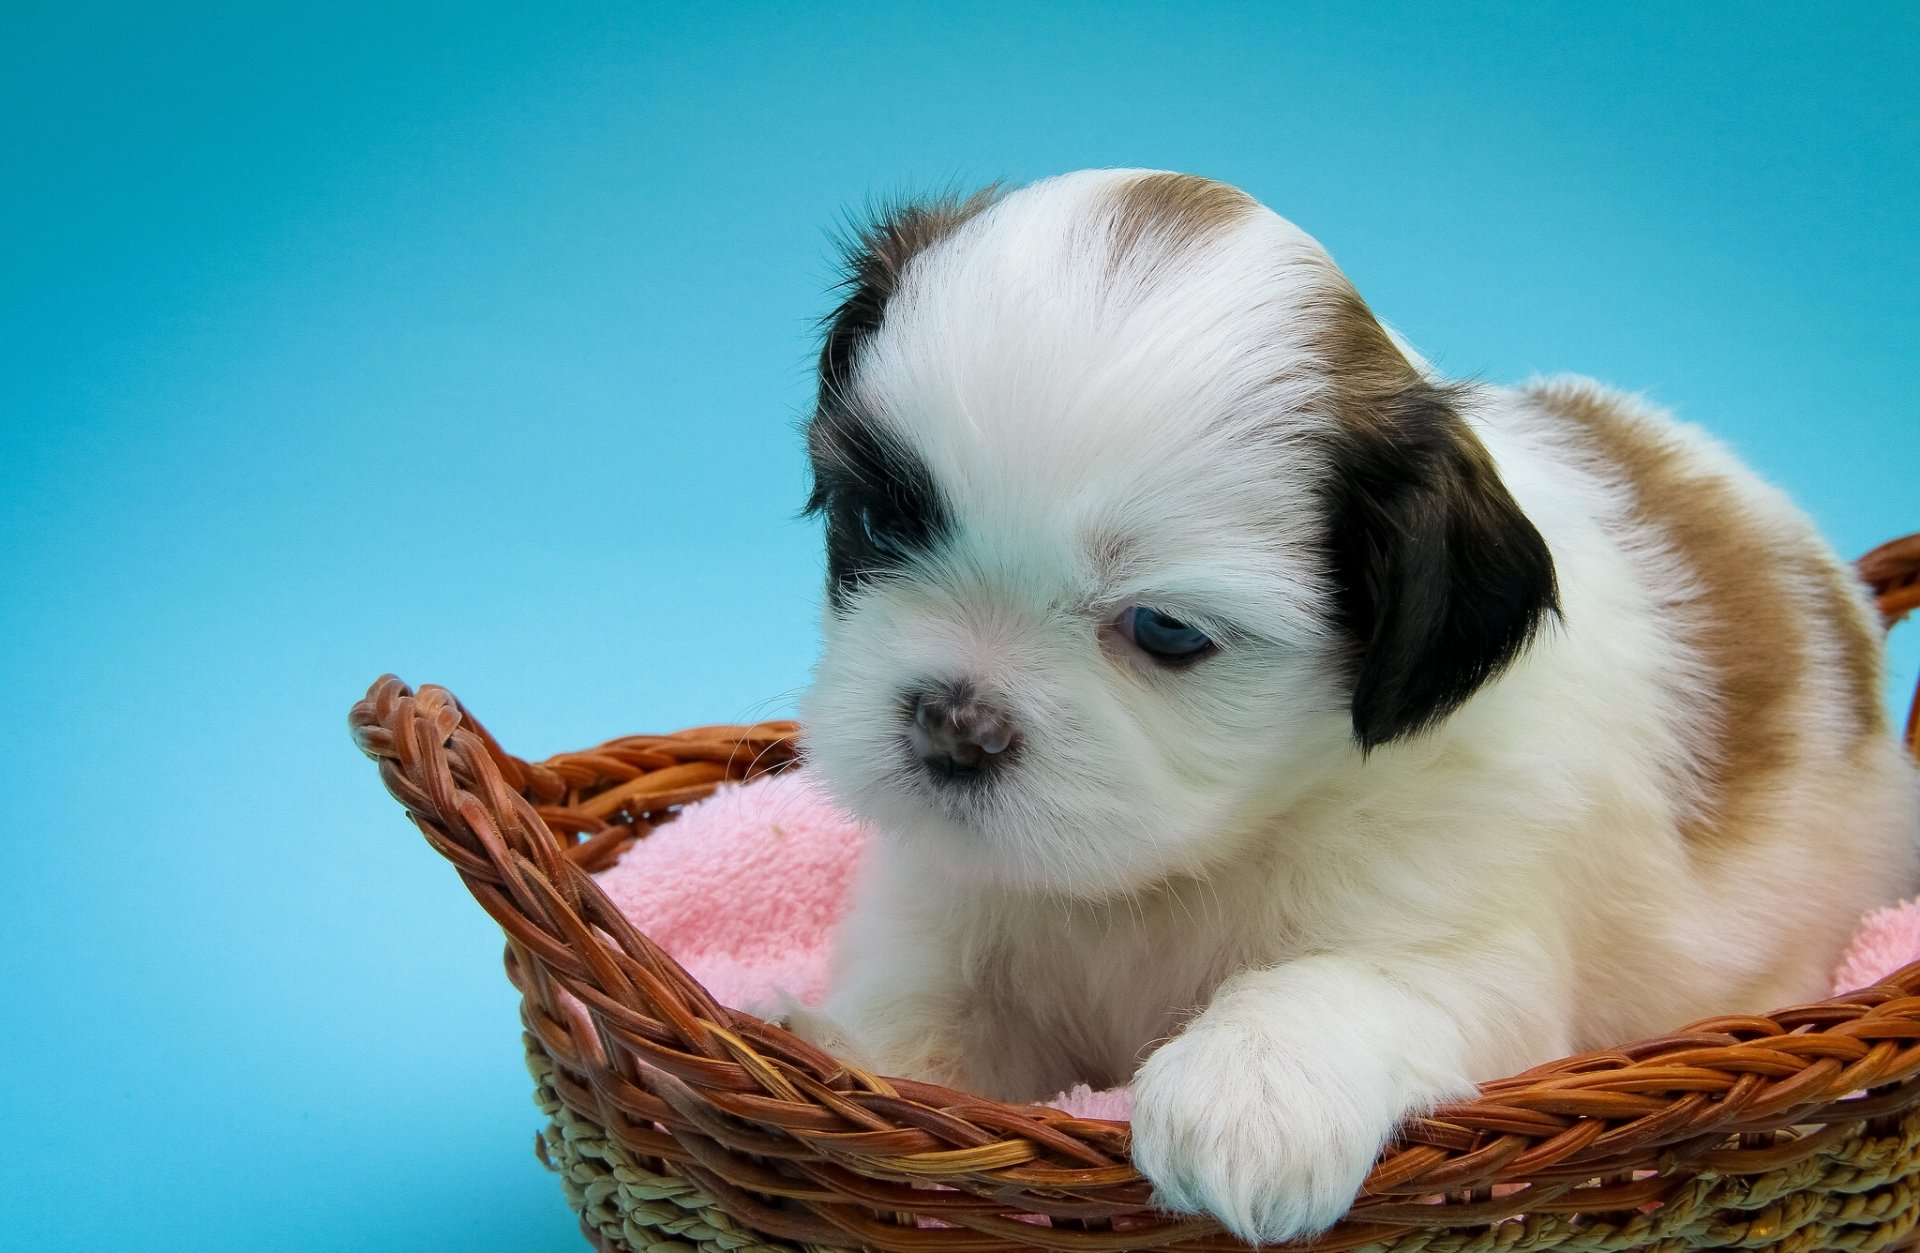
(1857, 638)
(1176, 211)
(1748, 634)
(1367, 372)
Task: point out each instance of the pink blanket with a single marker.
(744, 890)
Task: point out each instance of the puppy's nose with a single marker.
(956, 734)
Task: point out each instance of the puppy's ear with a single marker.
(873, 258)
(879, 500)
(1440, 579)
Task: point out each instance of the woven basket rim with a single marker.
(752, 1112)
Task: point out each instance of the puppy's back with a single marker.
(1793, 783)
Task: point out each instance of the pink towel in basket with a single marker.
(745, 887)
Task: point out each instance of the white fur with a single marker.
(1199, 869)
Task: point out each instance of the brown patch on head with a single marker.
(874, 262)
(1745, 618)
(1173, 212)
(1366, 373)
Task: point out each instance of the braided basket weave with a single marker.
(679, 1124)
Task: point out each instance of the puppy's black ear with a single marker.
(1440, 578)
(873, 257)
(879, 500)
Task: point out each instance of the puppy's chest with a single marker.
(1107, 981)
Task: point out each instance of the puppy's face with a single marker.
(1136, 524)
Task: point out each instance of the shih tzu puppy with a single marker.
(1245, 711)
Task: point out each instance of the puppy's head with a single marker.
(1137, 522)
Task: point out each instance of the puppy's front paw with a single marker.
(1272, 1143)
(783, 1009)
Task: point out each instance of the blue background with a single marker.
(467, 342)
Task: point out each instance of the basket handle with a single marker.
(459, 788)
(1893, 572)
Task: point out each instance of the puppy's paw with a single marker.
(1241, 1127)
(774, 1005)
(815, 1027)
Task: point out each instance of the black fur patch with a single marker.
(878, 498)
(872, 261)
(1441, 579)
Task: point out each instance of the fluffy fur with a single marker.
(1533, 721)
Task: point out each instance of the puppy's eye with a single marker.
(1163, 638)
(885, 527)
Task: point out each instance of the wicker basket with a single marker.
(677, 1123)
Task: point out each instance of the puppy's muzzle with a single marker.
(958, 736)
